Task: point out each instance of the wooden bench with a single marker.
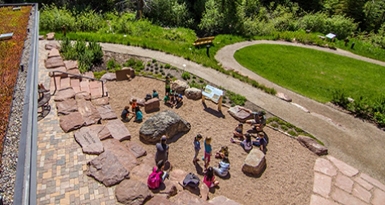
(204, 41)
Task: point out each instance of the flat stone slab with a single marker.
(70, 122)
(136, 149)
(343, 167)
(84, 86)
(118, 130)
(64, 94)
(89, 140)
(100, 101)
(54, 62)
(71, 64)
(102, 131)
(61, 69)
(318, 200)
(240, 113)
(371, 180)
(65, 82)
(123, 154)
(345, 198)
(67, 106)
(255, 163)
(222, 200)
(88, 111)
(107, 169)
(51, 45)
(108, 77)
(132, 192)
(74, 71)
(82, 95)
(75, 84)
(322, 184)
(106, 112)
(325, 167)
(54, 52)
(343, 182)
(51, 36)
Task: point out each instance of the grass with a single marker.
(313, 73)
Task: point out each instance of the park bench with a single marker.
(203, 41)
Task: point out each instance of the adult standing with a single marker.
(168, 85)
(162, 150)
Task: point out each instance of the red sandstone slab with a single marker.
(344, 183)
(345, 198)
(322, 184)
(94, 84)
(318, 200)
(363, 183)
(65, 82)
(343, 167)
(95, 93)
(373, 181)
(73, 72)
(75, 84)
(84, 86)
(361, 193)
(89, 74)
(378, 197)
(54, 52)
(325, 167)
(71, 64)
(52, 83)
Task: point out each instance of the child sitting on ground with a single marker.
(261, 142)
(245, 144)
(134, 104)
(125, 114)
(224, 151)
(209, 178)
(157, 176)
(155, 94)
(238, 132)
(223, 167)
(138, 115)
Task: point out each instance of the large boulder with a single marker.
(255, 163)
(240, 113)
(107, 169)
(222, 200)
(72, 121)
(123, 154)
(89, 112)
(118, 130)
(179, 86)
(152, 105)
(312, 145)
(66, 107)
(132, 192)
(54, 62)
(64, 94)
(193, 93)
(164, 123)
(106, 112)
(89, 140)
(108, 77)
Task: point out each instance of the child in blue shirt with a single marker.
(197, 147)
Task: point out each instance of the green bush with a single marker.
(237, 99)
(339, 98)
(186, 75)
(112, 65)
(53, 19)
(292, 133)
(137, 65)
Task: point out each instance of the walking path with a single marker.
(343, 134)
(61, 163)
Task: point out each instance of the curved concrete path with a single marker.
(358, 143)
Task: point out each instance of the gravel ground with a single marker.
(12, 137)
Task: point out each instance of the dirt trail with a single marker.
(358, 143)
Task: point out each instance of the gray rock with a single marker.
(193, 93)
(64, 94)
(67, 106)
(100, 101)
(54, 52)
(54, 62)
(72, 121)
(222, 200)
(312, 145)
(106, 112)
(152, 105)
(108, 77)
(89, 112)
(71, 64)
(132, 192)
(125, 157)
(164, 123)
(118, 130)
(136, 149)
(255, 163)
(89, 140)
(179, 86)
(107, 169)
(284, 97)
(240, 113)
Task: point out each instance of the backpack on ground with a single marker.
(154, 180)
(191, 180)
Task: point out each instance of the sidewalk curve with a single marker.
(358, 143)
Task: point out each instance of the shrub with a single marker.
(112, 65)
(339, 98)
(186, 75)
(53, 19)
(236, 98)
(292, 133)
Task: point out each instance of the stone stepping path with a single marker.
(336, 182)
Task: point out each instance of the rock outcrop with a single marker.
(312, 145)
(164, 123)
(240, 113)
(179, 86)
(255, 163)
(193, 93)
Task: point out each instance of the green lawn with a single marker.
(313, 73)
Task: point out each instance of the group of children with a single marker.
(173, 99)
(136, 112)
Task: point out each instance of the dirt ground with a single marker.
(288, 178)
